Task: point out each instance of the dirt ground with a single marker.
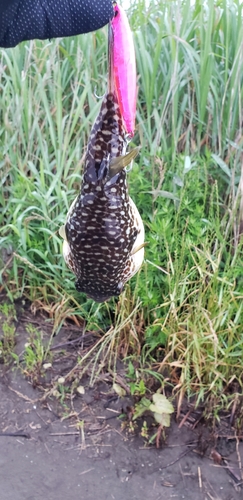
(83, 450)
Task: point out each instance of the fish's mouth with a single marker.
(99, 295)
(99, 299)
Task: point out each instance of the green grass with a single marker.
(184, 310)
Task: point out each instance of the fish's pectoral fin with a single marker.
(119, 163)
(139, 247)
(62, 232)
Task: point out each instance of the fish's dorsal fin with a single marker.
(62, 232)
(120, 162)
(139, 247)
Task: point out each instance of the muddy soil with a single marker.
(80, 448)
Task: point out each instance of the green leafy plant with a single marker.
(7, 342)
(161, 409)
(34, 356)
(8, 337)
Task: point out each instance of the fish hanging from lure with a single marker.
(104, 233)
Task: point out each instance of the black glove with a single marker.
(27, 19)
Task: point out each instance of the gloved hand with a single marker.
(27, 19)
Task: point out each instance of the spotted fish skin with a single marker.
(103, 225)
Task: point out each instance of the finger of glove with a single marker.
(29, 19)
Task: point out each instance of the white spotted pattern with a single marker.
(103, 225)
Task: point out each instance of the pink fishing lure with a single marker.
(123, 63)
